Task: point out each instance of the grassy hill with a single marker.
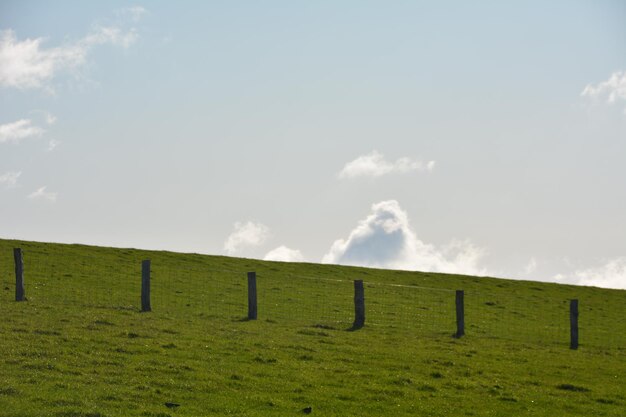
(80, 346)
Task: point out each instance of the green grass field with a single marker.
(79, 346)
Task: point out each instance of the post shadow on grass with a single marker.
(359, 306)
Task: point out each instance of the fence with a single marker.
(189, 289)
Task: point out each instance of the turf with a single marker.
(79, 346)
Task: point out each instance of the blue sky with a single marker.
(483, 138)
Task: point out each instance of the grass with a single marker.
(80, 346)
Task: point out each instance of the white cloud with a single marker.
(531, 266)
(135, 12)
(50, 118)
(41, 194)
(53, 144)
(24, 64)
(28, 64)
(374, 164)
(284, 254)
(18, 130)
(247, 234)
(385, 240)
(610, 91)
(612, 274)
(10, 178)
(110, 34)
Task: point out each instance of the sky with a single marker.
(485, 138)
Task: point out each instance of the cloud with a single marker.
(531, 266)
(284, 254)
(9, 179)
(28, 64)
(134, 12)
(41, 194)
(247, 234)
(612, 274)
(45, 116)
(25, 64)
(384, 239)
(50, 118)
(18, 130)
(110, 34)
(374, 164)
(610, 91)
(53, 144)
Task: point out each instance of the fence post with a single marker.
(573, 323)
(252, 305)
(359, 304)
(145, 285)
(19, 275)
(460, 314)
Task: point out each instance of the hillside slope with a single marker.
(79, 346)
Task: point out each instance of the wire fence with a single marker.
(531, 319)
(191, 289)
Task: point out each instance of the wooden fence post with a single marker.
(19, 275)
(252, 299)
(359, 304)
(145, 286)
(573, 323)
(460, 313)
